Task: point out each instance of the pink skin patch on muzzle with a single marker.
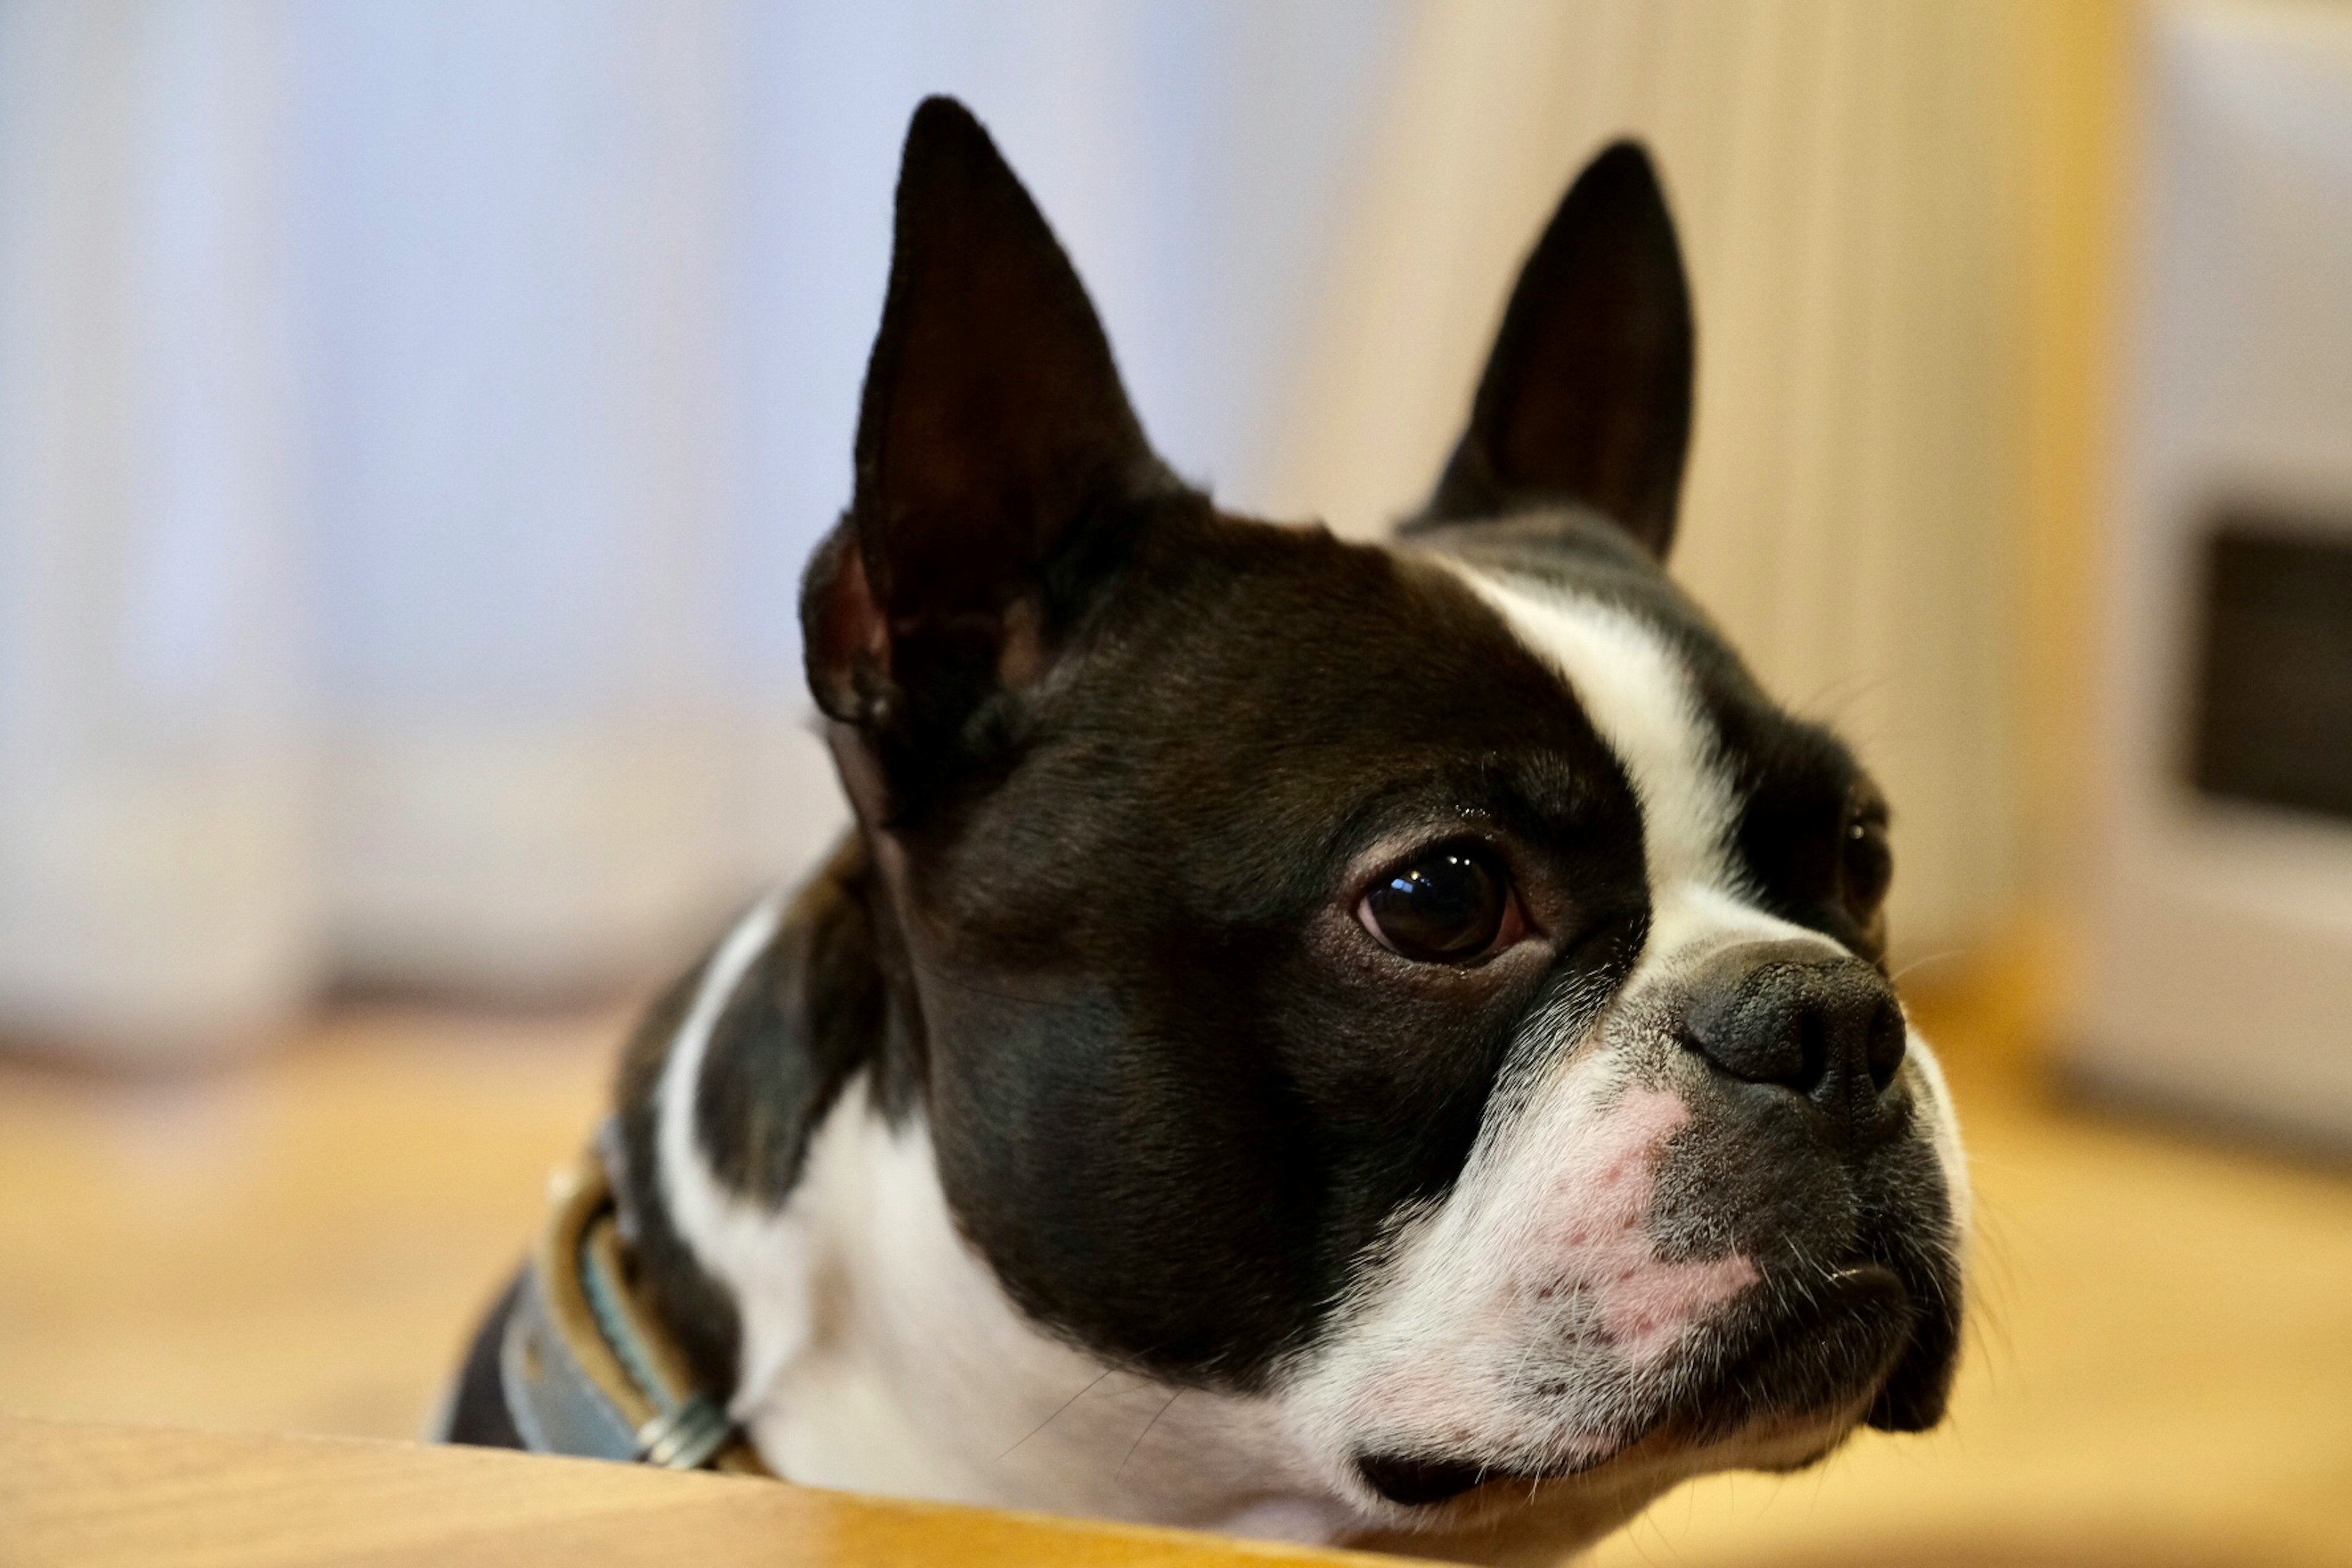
(1602, 1193)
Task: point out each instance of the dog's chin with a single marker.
(1775, 1383)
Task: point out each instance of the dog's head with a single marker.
(1428, 987)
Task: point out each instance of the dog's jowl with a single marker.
(1306, 1038)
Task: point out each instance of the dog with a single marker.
(1340, 1042)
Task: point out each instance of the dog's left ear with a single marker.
(1000, 470)
(1586, 395)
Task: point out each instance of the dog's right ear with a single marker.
(1586, 398)
(1000, 470)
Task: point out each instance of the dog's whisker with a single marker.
(1147, 1425)
(1921, 962)
(1091, 1386)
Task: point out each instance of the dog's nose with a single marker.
(1825, 1025)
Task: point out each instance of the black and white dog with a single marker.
(1312, 1040)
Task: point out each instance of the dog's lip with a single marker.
(1422, 1480)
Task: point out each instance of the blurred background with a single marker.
(414, 418)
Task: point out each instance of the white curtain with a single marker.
(155, 832)
(414, 416)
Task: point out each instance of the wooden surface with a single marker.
(2161, 1372)
(75, 1495)
(301, 1245)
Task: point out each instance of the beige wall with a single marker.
(1893, 273)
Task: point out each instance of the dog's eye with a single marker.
(1448, 907)
(1866, 865)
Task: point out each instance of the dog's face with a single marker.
(1426, 987)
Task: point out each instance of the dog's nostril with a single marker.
(1814, 1053)
(1890, 1038)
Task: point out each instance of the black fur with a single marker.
(807, 1015)
(1001, 471)
(1586, 400)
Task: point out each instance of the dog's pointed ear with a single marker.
(998, 463)
(1586, 395)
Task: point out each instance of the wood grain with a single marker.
(74, 1495)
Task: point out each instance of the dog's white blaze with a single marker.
(1639, 697)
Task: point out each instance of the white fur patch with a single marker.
(1639, 697)
(743, 1243)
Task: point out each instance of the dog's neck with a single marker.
(778, 1186)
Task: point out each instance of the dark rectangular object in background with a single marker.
(2273, 701)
